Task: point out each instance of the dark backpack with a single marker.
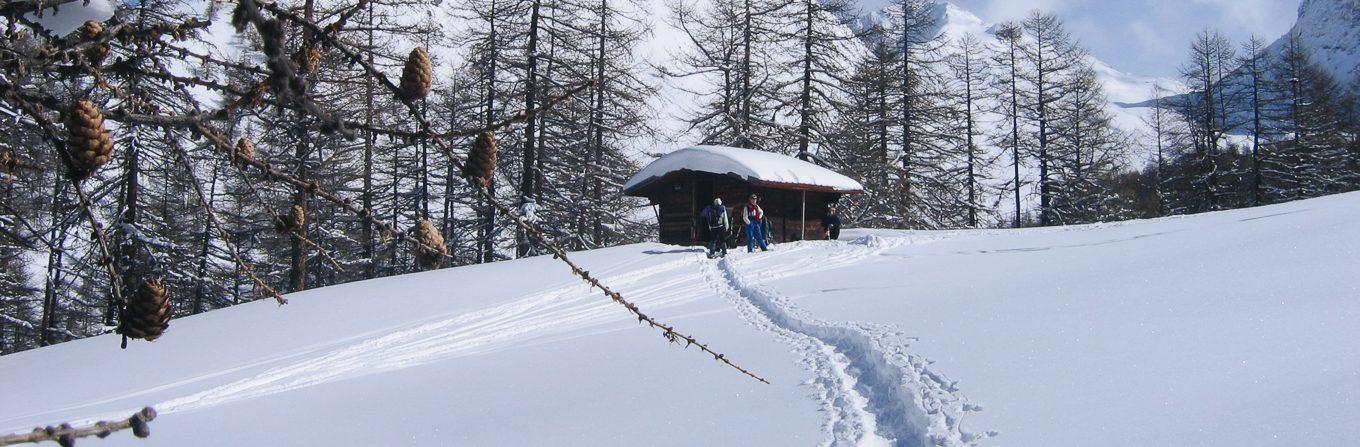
(711, 216)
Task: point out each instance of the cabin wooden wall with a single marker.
(679, 202)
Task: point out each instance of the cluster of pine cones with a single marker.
(89, 146)
(97, 53)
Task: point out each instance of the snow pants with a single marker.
(755, 233)
(719, 242)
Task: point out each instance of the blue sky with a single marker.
(1149, 37)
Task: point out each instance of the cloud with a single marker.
(1255, 14)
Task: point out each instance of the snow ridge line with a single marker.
(906, 402)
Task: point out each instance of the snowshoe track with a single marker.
(873, 392)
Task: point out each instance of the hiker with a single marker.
(754, 218)
(831, 224)
(715, 219)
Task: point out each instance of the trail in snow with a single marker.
(872, 390)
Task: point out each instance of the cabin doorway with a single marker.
(703, 195)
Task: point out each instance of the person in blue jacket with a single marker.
(715, 219)
(754, 218)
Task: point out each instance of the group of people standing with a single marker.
(755, 225)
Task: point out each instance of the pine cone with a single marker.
(8, 161)
(430, 249)
(245, 152)
(88, 143)
(90, 30)
(147, 313)
(416, 77)
(97, 53)
(481, 161)
(307, 58)
(294, 220)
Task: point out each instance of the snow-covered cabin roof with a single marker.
(758, 167)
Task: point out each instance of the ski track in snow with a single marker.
(567, 311)
(873, 392)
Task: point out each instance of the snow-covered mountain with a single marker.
(1331, 29)
(1230, 328)
(1121, 88)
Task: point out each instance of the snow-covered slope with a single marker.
(1231, 328)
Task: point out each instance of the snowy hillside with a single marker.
(1331, 30)
(1231, 328)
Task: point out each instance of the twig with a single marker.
(66, 435)
(668, 332)
(324, 254)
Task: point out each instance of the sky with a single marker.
(1148, 37)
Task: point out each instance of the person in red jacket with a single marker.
(754, 218)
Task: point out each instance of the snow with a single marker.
(747, 164)
(1230, 328)
(513, 353)
(1233, 328)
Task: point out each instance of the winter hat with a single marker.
(717, 202)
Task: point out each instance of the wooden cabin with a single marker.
(795, 194)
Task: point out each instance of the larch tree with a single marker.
(731, 52)
(1052, 59)
(1009, 97)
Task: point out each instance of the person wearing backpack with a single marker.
(754, 218)
(715, 219)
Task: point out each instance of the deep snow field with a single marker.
(1238, 328)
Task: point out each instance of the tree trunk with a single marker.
(805, 107)
(597, 112)
(486, 243)
(1015, 126)
(370, 251)
(205, 243)
(528, 187)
